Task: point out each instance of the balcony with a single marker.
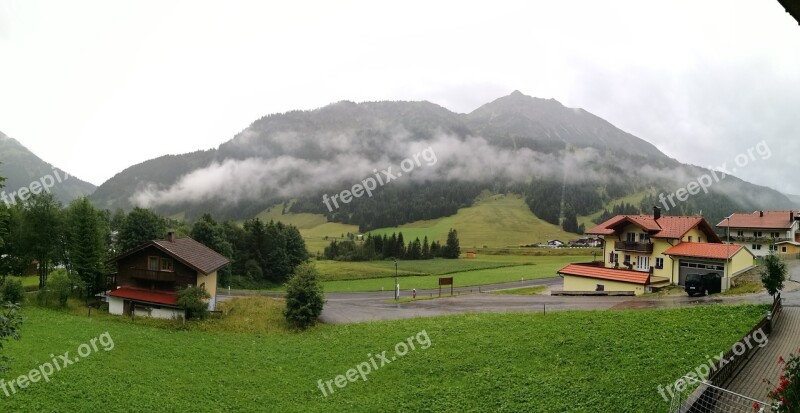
(642, 247)
(151, 275)
(761, 240)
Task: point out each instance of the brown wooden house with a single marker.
(149, 276)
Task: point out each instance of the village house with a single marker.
(646, 252)
(763, 232)
(149, 276)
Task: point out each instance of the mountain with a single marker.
(23, 169)
(565, 161)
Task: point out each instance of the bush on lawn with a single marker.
(12, 291)
(193, 300)
(304, 297)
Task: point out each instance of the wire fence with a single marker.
(704, 397)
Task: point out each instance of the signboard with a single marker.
(445, 281)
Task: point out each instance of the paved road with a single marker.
(373, 306)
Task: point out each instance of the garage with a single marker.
(690, 266)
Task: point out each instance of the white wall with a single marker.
(115, 305)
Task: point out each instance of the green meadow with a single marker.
(565, 361)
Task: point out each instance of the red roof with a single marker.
(592, 271)
(770, 220)
(148, 296)
(704, 250)
(667, 226)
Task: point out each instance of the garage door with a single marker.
(698, 267)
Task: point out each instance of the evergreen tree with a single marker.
(140, 226)
(452, 248)
(426, 249)
(86, 230)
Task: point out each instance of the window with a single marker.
(659, 263)
(643, 237)
(600, 287)
(690, 238)
(783, 249)
(152, 263)
(166, 264)
(631, 237)
(739, 233)
(612, 258)
(643, 262)
(773, 247)
(757, 234)
(775, 234)
(756, 246)
(627, 260)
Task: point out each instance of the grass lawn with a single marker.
(537, 289)
(29, 282)
(565, 361)
(534, 267)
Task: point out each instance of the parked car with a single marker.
(703, 284)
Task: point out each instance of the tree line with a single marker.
(381, 247)
(42, 234)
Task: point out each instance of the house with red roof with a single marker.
(645, 252)
(148, 277)
(763, 232)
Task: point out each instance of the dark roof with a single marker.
(186, 250)
(146, 296)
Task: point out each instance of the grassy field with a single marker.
(494, 221)
(376, 275)
(565, 361)
(633, 199)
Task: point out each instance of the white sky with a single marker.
(96, 86)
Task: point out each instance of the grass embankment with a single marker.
(535, 290)
(565, 361)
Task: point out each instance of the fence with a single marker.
(708, 397)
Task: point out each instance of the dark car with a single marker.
(703, 284)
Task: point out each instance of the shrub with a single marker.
(193, 300)
(304, 297)
(787, 391)
(773, 274)
(12, 291)
(57, 289)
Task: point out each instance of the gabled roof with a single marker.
(147, 296)
(602, 273)
(666, 226)
(769, 220)
(186, 250)
(704, 250)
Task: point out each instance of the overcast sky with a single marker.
(94, 87)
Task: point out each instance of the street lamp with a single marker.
(396, 284)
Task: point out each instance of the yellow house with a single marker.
(643, 252)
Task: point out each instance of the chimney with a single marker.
(656, 212)
(761, 213)
(791, 216)
(170, 236)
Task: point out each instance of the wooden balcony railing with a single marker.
(145, 274)
(644, 247)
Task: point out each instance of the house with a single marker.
(763, 232)
(148, 277)
(643, 252)
(585, 242)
